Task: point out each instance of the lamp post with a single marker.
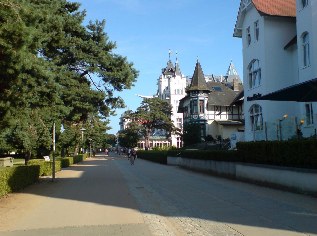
(90, 147)
(82, 138)
(53, 165)
(280, 125)
(298, 129)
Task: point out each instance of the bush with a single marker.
(293, 153)
(67, 161)
(46, 166)
(16, 178)
(155, 156)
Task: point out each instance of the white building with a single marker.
(210, 103)
(171, 87)
(279, 50)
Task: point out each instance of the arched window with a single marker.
(254, 70)
(305, 46)
(256, 120)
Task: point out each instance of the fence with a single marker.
(284, 129)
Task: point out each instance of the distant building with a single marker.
(279, 41)
(220, 117)
(171, 87)
(210, 101)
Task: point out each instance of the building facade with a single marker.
(210, 103)
(171, 87)
(212, 106)
(279, 50)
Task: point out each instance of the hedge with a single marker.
(293, 153)
(155, 156)
(46, 166)
(18, 177)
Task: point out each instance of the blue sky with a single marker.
(145, 30)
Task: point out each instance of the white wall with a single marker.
(275, 63)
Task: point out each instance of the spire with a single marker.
(177, 69)
(169, 69)
(231, 70)
(198, 82)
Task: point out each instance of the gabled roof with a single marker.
(169, 69)
(276, 7)
(198, 82)
(220, 95)
(177, 69)
(280, 8)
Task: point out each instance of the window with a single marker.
(256, 120)
(306, 56)
(254, 74)
(309, 114)
(248, 36)
(193, 107)
(201, 106)
(217, 88)
(179, 123)
(256, 30)
(304, 3)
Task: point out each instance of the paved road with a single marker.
(108, 196)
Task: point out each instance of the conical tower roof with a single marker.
(198, 82)
(177, 69)
(231, 70)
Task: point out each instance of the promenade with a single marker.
(105, 195)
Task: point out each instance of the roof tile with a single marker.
(276, 7)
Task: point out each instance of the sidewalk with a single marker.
(90, 198)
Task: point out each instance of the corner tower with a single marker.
(171, 87)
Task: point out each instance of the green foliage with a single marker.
(129, 137)
(16, 178)
(110, 141)
(293, 153)
(229, 156)
(47, 61)
(153, 114)
(46, 166)
(191, 134)
(66, 161)
(154, 156)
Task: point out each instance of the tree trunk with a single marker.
(147, 139)
(27, 157)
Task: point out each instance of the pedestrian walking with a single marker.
(133, 156)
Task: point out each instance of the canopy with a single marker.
(302, 92)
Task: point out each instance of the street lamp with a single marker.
(90, 147)
(280, 125)
(82, 138)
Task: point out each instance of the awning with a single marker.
(302, 92)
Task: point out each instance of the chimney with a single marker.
(235, 83)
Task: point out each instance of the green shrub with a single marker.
(293, 153)
(155, 156)
(46, 166)
(66, 161)
(18, 177)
